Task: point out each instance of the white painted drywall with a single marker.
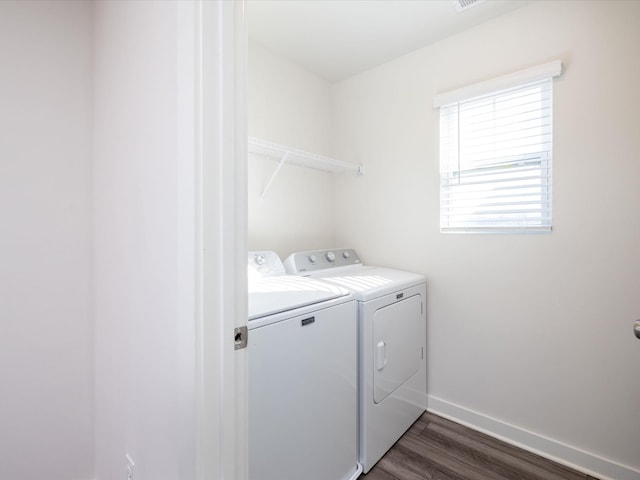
(535, 330)
(290, 106)
(144, 341)
(46, 352)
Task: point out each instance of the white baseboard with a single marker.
(559, 452)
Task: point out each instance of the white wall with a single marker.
(290, 106)
(144, 345)
(46, 354)
(534, 331)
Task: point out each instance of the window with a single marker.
(495, 157)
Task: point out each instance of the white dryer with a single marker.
(302, 376)
(392, 377)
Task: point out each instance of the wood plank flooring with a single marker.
(438, 449)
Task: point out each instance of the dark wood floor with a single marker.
(437, 449)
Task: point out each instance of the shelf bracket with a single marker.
(281, 163)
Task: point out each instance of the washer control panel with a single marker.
(302, 262)
(264, 264)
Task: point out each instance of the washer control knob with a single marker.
(331, 256)
(313, 258)
(346, 254)
(260, 259)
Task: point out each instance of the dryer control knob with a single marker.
(346, 254)
(331, 256)
(260, 259)
(313, 258)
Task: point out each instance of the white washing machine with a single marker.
(302, 376)
(392, 376)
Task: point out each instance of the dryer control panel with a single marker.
(302, 262)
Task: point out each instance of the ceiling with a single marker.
(339, 38)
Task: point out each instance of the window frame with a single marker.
(533, 188)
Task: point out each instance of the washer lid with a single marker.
(370, 282)
(270, 295)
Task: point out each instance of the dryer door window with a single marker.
(397, 345)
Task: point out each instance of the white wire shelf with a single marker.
(293, 156)
(299, 157)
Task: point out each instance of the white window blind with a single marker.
(495, 161)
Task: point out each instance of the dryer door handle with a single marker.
(381, 355)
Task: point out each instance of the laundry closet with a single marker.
(292, 208)
(122, 175)
(517, 325)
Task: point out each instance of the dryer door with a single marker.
(397, 345)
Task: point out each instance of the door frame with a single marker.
(217, 35)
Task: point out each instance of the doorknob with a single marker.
(636, 328)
